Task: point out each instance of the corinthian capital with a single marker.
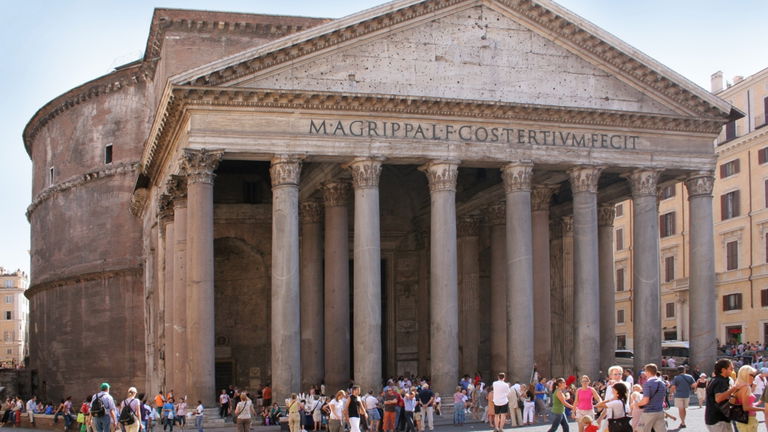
(442, 175)
(606, 213)
(176, 187)
(336, 194)
(517, 176)
(541, 196)
(567, 225)
(643, 182)
(700, 184)
(468, 226)
(584, 178)
(285, 170)
(164, 209)
(497, 213)
(200, 164)
(310, 212)
(365, 172)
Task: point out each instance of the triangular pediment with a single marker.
(505, 51)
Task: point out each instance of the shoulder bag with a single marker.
(620, 424)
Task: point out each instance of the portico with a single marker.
(372, 215)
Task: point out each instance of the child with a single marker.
(589, 424)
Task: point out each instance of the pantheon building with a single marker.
(425, 187)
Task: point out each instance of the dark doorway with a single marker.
(225, 374)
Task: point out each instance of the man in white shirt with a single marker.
(760, 383)
(671, 362)
(31, 407)
(628, 378)
(500, 402)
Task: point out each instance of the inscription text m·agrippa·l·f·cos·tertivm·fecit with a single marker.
(470, 133)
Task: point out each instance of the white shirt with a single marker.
(337, 408)
(370, 402)
(671, 362)
(630, 381)
(614, 409)
(759, 385)
(500, 393)
(199, 410)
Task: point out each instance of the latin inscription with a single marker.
(470, 133)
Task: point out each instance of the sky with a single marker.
(49, 47)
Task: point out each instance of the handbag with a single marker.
(620, 424)
(734, 412)
(80, 418)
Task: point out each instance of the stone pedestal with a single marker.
(443, 298)
(337, 338)
(517, 187)
(702, 309)
(542, 309)
(497, 217)
(285, 172)
(605, 216)
(469, 293)
(199, 166)
(311, 287)
(646, 307)
(367, 274)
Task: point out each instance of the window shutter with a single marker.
(764, 297)
(725, 303)
(736, 166)
(736, 205)
(722, 207)
(761, 155)
(672, 223)
(722, 171)
(661, 226)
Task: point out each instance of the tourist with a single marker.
(681, 387)
(244, 412)
(652, 403)
(223, 403)
(409, 410)
(390, 405)
(515, 402)
(102, 409)
(159, 402)
(586, 397)
(354, 409)
(294, 418)
(701, 389)
(317, 412)
(335, 410)
(489, 413)
(168, 414)
(31, 407)
(529, 406)
(85, 411)
(199, 416)
(500, 401)
(274, 414)
(616, 407)
(427, 402)
(458, 406)
(181, 412)
(746, 398)
(135, 406)
(372, 408)
(540, 392)
(615, 374)
(559, 403)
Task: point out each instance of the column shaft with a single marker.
(646, 307)
(199, 166)
(286, 307)
(170, 349)
(311, 281)
(605, 218)
(702, 304)
(498, 219)
(469, 293)
(367, 274)
(517, 186)
(568, 300)
(177, 188)
(337, 315)
(542, 308)
(443, 293)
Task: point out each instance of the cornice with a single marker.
(561, 25)
(83, 278)
(179, 99)
(743, 141)
(72, 182)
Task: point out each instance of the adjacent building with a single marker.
(740, 211)
(14, 313)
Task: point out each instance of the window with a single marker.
(8, 299)
(670, 335)
(766, 193)
(667, 224)
(9, 351)
(620, 209)
(732, 255)
(764, 298)
(667, 192)
(729, 168)
(619, 239)
(6, 336)
(620, 316)
(619, 279)
(762, 155)
(729, 205)
(730, 130)
(108, 154)
(50, 176)
(8, 283)
(670, 309)
(621, 342)
(669, 269)
(8, 315)
(732, 302)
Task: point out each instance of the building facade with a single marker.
(424, 187)
(15, 314)
(740, 210)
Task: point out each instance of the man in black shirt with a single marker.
(719, 390)
(427, 401)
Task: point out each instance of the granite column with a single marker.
(469, 293)
(177, 187)
(517, 186)
(702, 304)
(167, 231)
(443, 293)
(497, 217)
(605, 215)
(311, 294)
(542, 309)
(199, 166)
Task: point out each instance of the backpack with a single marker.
(97, 407)
(145, 411)
(127, 416)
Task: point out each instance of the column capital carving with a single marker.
(176, 188)
(442, 174)
(468, 226)
(336, 193)
(541, 197)
(700, 184)
(585, 178)
(606, 213)
(497, 213)
(164, 209)
(199, 165)
(365, 172)
(310, 212)
(643, 182)
(517, 176)
(285, 170)
(567, 222)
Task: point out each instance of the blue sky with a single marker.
(49, 47)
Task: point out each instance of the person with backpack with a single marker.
(130, 412)
(102, 410)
